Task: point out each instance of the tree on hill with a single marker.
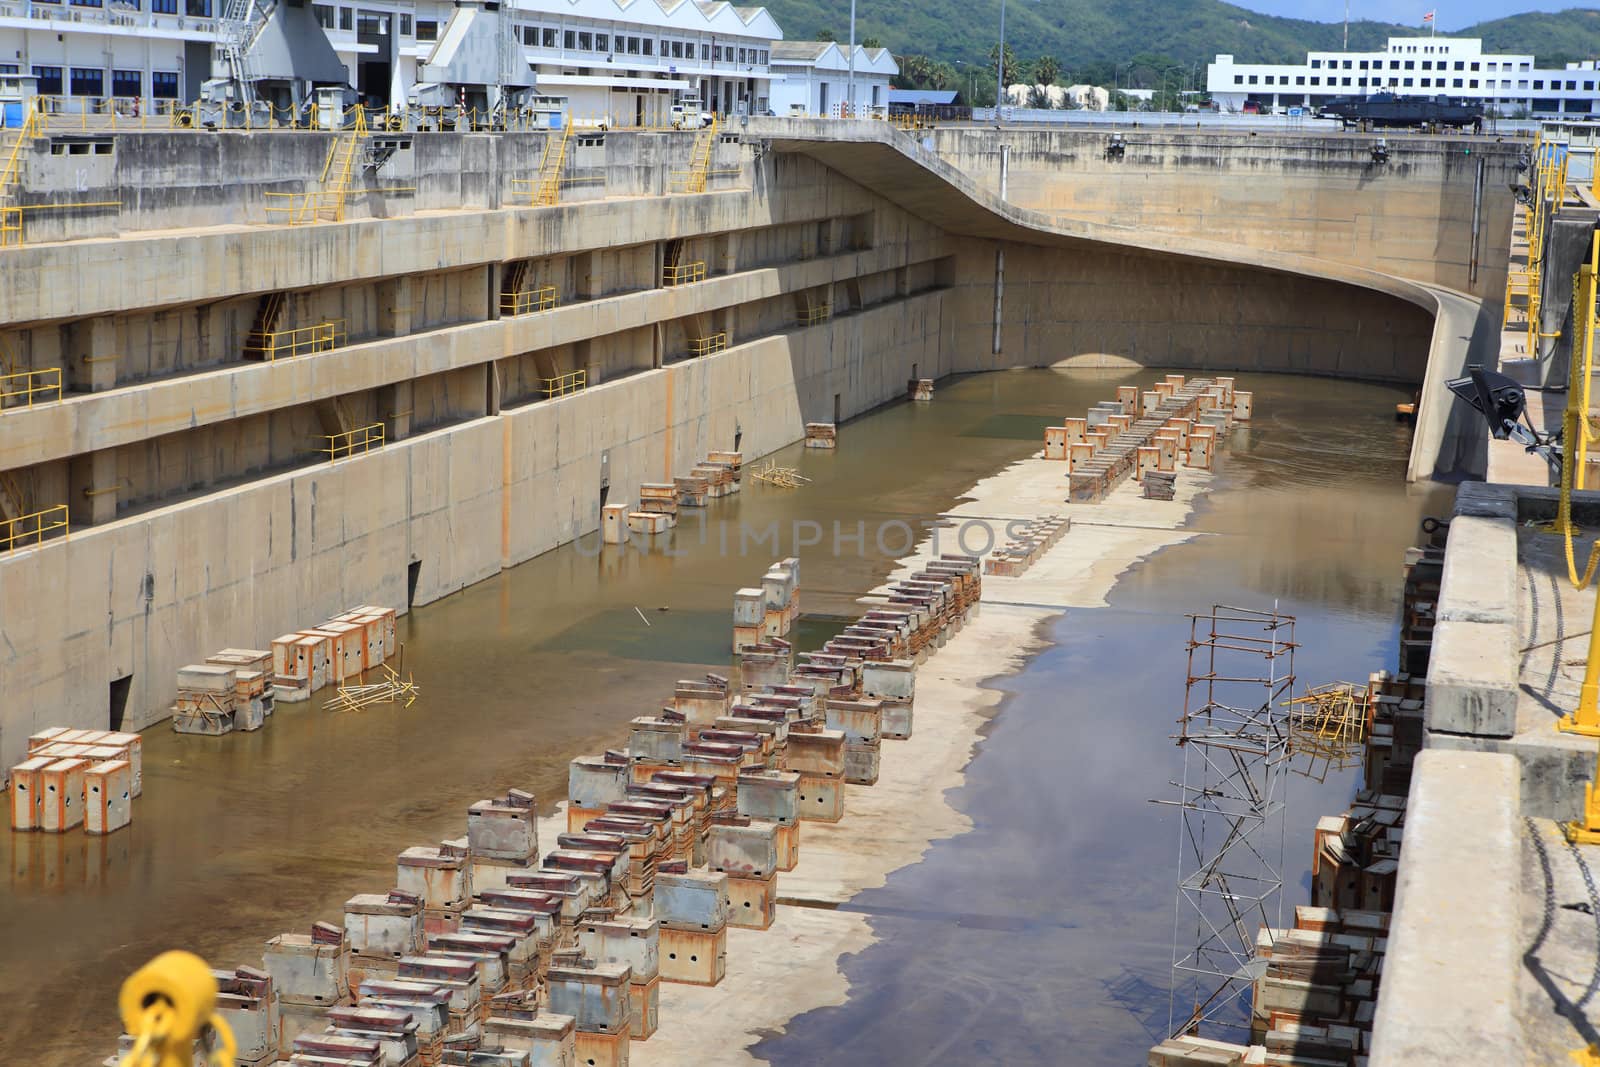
(1046, 71)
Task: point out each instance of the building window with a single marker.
(602, 42)
(164, 7)
(164, 84)
(405, 25)
(1457, 83)
(1407, 83)
(647, 44)
(547, 36)
(347, 19)
(569, 40)
(84, 3)
(88, 82)
(200, 9)
(1572, 85)
(586, 42)
(1588, 87)
(1252, 77)
(324, 14)
(1238, 79)
(427, 30)
(1536, 84)
(1425, 83)
(1361, 82)
(633, 46)
(1347, 64)
(1411, 64)
(1316, 64)
(1474, 83)
(1363, 64)
(1267, 79)
(677, 49)
(1344, 81)
(529, 35)
(1299, 79)
(1475, 66)
(705, 52)
(1315, 80)
(127, 83)
(1427, 64)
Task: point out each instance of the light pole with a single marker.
(1000, 67)
(851, 92)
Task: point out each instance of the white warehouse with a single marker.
(624, 60)
(816, 78)
(1410, 66)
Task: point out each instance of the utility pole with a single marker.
(852, 90)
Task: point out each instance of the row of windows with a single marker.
(554, 37)
(91, 81)
(193, 8)
(1411, 64)
(1425, 83)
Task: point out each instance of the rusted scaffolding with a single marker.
(1234, 734)
(1328, 728)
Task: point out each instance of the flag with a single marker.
(1428, 17)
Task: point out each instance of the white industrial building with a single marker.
(816, 78)
(1410, 66)
(622, 61)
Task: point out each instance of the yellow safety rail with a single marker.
(683, 273)
(14, 146)
(566, 384)
(33, 528)
(361, 440)
(540, 298)
(704, 346)
(28, 384)
(693, 180)
(813, 314)
(300, 341)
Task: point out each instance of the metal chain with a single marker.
(1549, 890)
(1594, 910)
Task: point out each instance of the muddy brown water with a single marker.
(1045, 934)
(245, 836)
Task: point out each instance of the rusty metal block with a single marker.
(862, 762)
(439, 879)
(694, 957)
(384, 925)
(595, 995)
(821, 799)
(644, 1008)
(753, 901)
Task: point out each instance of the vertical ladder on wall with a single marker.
(258, 343)
(547, 191)
(340, 168)
(13, 153)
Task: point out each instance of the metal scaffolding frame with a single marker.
(1235, 735)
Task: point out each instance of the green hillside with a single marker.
(1088, 38)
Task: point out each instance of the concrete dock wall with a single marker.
(478, 472)
(142, 596)
(1322, 196)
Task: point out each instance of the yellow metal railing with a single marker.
(683, 273)
(704, 346)
(565, 384)
(361, 440)
(540, 298)
(28, 384)
(32, 529)
(300, 341)
(815, 313)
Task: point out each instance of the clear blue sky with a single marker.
(1453, 14)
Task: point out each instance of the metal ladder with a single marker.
(548, 190)
(258, 343)
(341, 166)
(241, 21)
(13, 153)
(705, 144)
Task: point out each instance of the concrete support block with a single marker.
(395, 408)
(92, 488)
(1472, 679)
(90, 354)
(394, 306)
(1480, 571)
(1454, 950)
(493, 278)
